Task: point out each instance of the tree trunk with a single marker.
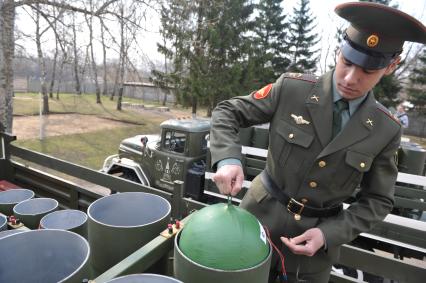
(123, 59)
(77, 79)
(61, 69)
(7, 53)
(89, 21)
(105, 84)
(42, 65)
(117, 75)
(52, 81)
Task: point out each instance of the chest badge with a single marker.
(299, 120)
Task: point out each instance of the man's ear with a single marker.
(392, 66)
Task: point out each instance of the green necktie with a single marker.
(339, 107)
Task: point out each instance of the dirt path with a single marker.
(28, 127)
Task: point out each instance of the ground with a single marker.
(28, 127)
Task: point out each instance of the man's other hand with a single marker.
(306, 244)
(229, 179)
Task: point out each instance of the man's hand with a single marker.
(229, 179)
(306, 244)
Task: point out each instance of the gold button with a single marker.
(362, 164)
(291, 135)
(313, 184)
(322, 163)
(304, 200)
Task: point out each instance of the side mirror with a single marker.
(144, 141)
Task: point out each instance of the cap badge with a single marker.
(372, 40)
(262, 93)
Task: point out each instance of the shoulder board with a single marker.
(303, 77)
(383, 109)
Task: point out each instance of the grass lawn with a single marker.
(88, 149)
(29, 104)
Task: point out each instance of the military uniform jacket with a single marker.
(309, 165)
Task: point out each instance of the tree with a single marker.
(207, 47)
(7, 48)
(302, 39)
(227, 50)
(89, 21)
(417, 88)
(270, 52)
(76, 56)
(176, 31)
(104, 60)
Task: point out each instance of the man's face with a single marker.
(353, 81)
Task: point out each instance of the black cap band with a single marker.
(365, 59)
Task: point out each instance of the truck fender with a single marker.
(115, 162)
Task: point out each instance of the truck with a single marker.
(402, 237)
(180, 152)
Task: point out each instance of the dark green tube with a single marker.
(411, 159)
(68, 219)
(3, 223)
(189, 271)
(8, 199)
(31, 211)
(120, 224)
(145, 278)
(44, 256)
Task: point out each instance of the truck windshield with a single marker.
(175, 141)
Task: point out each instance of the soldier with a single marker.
(402, 116)
(327, 136)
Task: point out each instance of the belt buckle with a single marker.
(290, 208)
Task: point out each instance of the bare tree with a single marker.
(42, 63)
(7, 47)
(122, 58)
(89, 21)
(75, 50)
(55, 57)
(105, 83)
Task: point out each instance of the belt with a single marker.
(293, 206)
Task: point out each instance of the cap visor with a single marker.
(362, 59)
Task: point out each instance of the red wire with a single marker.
(282, 259)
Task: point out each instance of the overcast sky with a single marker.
(327, 22)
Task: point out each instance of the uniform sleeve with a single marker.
(241, 111)
(374, 201)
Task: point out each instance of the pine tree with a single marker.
(417, 88)
(302, 39)
(269, 42)
(207, 45)
(227, 51)
(175, 15)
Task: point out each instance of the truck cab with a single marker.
(178, 153)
